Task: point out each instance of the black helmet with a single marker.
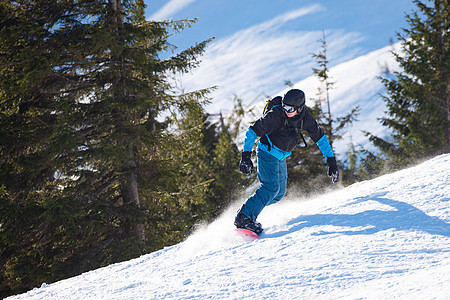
(295, 98)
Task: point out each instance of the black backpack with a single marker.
(278, 101)
(271, 103)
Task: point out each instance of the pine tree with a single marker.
(333, 127)
(30, 218)
(306, 164)
(323, 74)
(228, 179)
(204, 173)
(418, 97)
(84, 155)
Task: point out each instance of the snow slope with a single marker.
(388, 238)
(356, 84)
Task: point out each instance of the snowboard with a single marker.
(247, 235)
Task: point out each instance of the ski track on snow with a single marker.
(387, 238)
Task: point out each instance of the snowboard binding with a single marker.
(244, 222)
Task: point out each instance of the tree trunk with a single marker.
(130, 193)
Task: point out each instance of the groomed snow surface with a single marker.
(387, 238)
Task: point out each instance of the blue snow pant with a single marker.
(272, 175)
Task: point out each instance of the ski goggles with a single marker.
(290, 109)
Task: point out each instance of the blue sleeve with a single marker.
(325, 147)
(250, 138)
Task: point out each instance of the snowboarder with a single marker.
(278, 130)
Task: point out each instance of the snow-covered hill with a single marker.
(356, 84)
(388, 238)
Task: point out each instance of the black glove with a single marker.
(333, 171)
(246, 165)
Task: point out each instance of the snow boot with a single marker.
(242, 221)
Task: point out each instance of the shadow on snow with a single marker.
(404, 217)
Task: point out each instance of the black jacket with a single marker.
(283, 131)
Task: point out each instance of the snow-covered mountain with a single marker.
(356, 84)
(387, 238)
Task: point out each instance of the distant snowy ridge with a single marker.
(387, 238)
(356, 83)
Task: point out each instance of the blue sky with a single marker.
(260, 43)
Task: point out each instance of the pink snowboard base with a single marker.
(247, 234)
